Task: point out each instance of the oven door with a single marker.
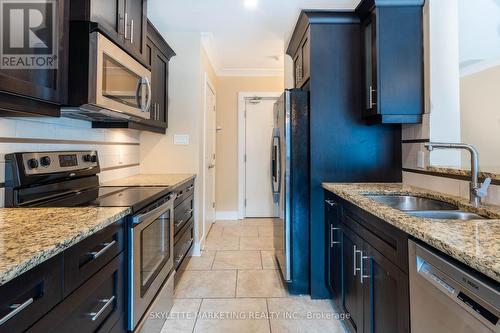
(151, 246)
(122, 84)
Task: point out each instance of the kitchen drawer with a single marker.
(184, 191)
(182, 214)
(90, 255)
(94, 307)
(183, 243)
(33, 293)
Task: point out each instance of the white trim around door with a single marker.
(242, 96)
(207, 85)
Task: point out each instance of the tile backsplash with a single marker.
(118, 149)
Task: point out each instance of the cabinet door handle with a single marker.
(16, 308)
(333, 242)
(125, 26)
(107, 302)
(372, 103)
(132, 31)
(331, 203)
(106, 247)
(362, 274)
(189, 211)
(179, 223)
(355, 255)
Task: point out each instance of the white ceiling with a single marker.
(236, 37)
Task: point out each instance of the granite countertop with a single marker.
(475, 243)
(494, 173)
(30, 236)
(172, 180)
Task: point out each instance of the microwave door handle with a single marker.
(138, 94)
(150, 97)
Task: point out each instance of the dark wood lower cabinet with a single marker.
(353, 288)
(370, 288)
(335, 250)
(387, 295)
(81, 289)
(94, 307)
(27, 298)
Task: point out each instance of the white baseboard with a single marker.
(196, 250)
(226, 215)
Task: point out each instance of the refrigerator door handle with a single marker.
(275, 166)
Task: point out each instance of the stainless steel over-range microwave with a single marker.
(105, 82)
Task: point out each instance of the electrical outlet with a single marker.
(421, 159)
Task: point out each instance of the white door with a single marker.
(258, 138)
(210, 129)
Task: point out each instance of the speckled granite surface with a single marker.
(152, 180)
(475, 243)
(494, 175)
(30, 236)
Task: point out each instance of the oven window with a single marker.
(155, 249)
(121, 84)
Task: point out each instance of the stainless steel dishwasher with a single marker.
(446, 298)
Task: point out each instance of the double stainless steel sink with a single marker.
(424, 207)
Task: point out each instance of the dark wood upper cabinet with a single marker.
(393, 71)
(301, 62)
(25, 92)
(158, 55)
(122, 21)
(135, 15)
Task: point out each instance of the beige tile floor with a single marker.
(235, 286)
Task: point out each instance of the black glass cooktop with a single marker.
(134, 197)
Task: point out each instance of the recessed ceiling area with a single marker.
(243, 34)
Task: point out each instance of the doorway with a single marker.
(209, 164)
(255, 148)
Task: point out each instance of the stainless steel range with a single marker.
(70, 179)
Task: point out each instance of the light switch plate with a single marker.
(181, 139)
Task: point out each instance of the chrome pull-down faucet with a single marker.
(477, 191)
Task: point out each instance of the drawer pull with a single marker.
(179, 258)
(107, 303)
(16, 308)
(189, 211)
(190, 188)
(331, 203)
(179, 223)
(106, 247)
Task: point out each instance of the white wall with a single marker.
(118, 149)
(444, 75)
(158, 153)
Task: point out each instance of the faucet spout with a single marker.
(476, 191)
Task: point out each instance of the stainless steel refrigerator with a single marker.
(290, 185)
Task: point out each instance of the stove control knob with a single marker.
(45, 161)
(32, 163)
(89, 158)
